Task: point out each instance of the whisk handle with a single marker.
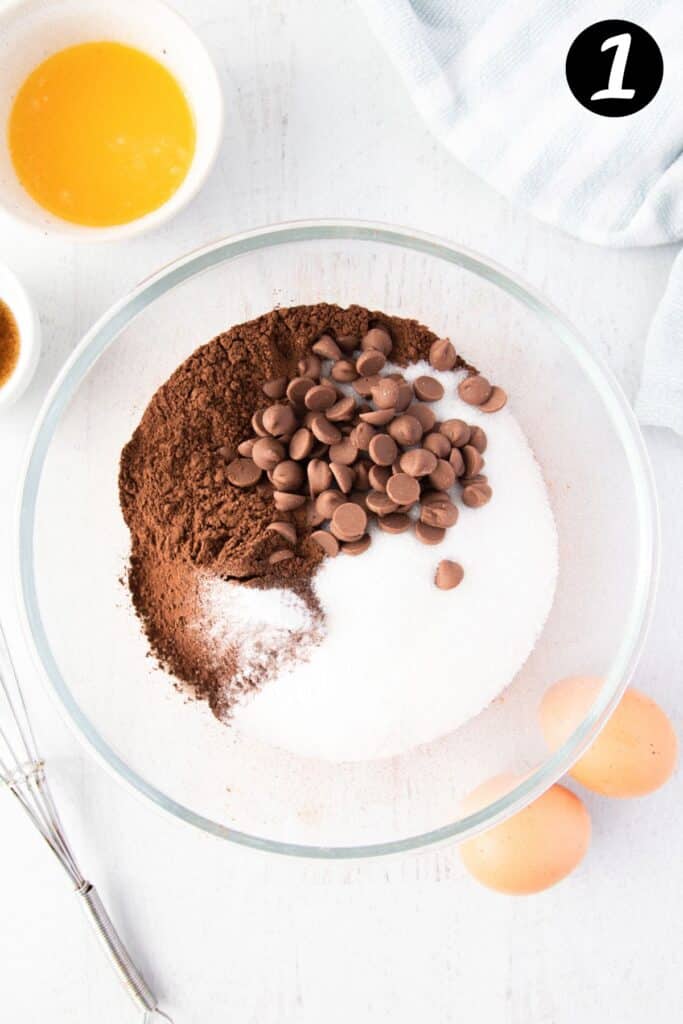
(137, 987)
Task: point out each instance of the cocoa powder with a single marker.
(185, 517)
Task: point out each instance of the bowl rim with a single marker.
(105, 331)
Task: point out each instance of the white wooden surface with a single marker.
(318, 124)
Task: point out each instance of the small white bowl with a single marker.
(14, 295)
(32, 30)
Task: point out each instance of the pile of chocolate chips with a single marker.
(346, 459)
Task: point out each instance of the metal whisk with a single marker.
(23, 771)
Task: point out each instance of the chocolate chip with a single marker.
(287, 476)
(395, 522)
(406, 430)
(418, 462)
(377, 338)
(319, 476)
(474, 462)
(361, 476)
(301, 445)
(457, 462)
(267, 452)
(327, 542)
(279, 419)
(378, 477)
(478, 439)
(328, 502)
(344, 451)
(380, 503)
(370, 361)
(405, 396)
(327, 348)
(424, 414)
(443, 476)
(310, 366)
(362, 435)
(349, 522)
(437, 443)
(475, 389)
(286, 530)
(378, 417)
(403, 489)
(282, 555)
(385, 393)
(344, 371)
(325, 431)
(257, 424)
(285, 502)
(429, 534)
(348, 343)
(243, 472)
(437, 509)
(246, 448)
(313, 517)
(319, 398)
(341, 410)
(442, 355)
(298, 388)
(382, 449)
(496, 400)
(356, 547)
(344, 476)
(457, 432)
(275, 388)
(476, 495)
(363, 385)
(448, 574)
(428, 389)
(226, 452)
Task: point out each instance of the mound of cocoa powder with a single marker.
(186, 519)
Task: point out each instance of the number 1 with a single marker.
(615, 84)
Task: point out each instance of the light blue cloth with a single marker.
(488, 76)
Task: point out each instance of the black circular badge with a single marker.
(614, 68)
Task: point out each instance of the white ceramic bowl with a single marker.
(14, 295)
(32, 30)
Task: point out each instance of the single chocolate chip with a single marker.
(442, 355)
(286, 530)
(275, 388)
(349, 522)
(344, 476)
(406, 430)
(457, 432)
(226, 452)
(370, 361)
(285, 502)
(328, 502)
(327, 542)
(496, 400)
(287, 476)
(361, 435)
(380, 503)
(279, 419)
(382, 449)
(395, 522)
(283, 555)
(298, 388)
(361, 472)
(319, 476)
(342, 410)
(257, 424)
(478, 439)
(443, 477)
(344, 371)
(448, 574)
(429, 534)
(378, 477)
(356, 547)
(457, 462)
(476, 495)
(243, 472)
(428, 389)
(267, 452)
(363, 385)
(377, 417)
(474, 390)
(348, 343)
(319, 397)
(327, 348)
(377, 338)
(246, 448)
(474, 462)
(403, 489)
(310, 366)
(325, 431)
(405, 396)
(437, 443)
(385, 393)
(301, 445)
(344, 451)
(437, 509)
(418, 462)
(424, 414)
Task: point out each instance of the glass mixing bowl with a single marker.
(73, 544)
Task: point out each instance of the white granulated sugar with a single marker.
(402, 662)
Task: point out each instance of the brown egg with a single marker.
(634, 754)
(531, 850)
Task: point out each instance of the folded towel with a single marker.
(489, 77)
